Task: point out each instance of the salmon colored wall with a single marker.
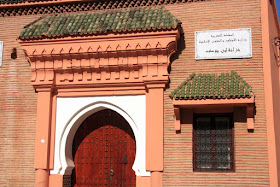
(251, 164)
(154, 129)
(18, 101)
(270, 30)
(275, 31)
(55, 179)
(144, 181)
(42, 141)
(18, 106)
(43, 138)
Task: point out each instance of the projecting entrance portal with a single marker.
(104, 151)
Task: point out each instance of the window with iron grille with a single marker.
(213, 142)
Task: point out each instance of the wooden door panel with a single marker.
(121, 160)
(104, 151)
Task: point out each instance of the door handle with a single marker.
(111, 172)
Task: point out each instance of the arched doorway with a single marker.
(104, 151)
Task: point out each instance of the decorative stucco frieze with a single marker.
(111, 59)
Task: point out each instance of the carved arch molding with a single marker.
(122, 60)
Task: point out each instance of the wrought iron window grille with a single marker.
(213, 142)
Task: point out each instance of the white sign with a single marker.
(218, 44)
(1, 52)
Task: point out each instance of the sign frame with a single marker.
(1, 52)
(247, 54)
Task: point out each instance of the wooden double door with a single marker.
(104, 151)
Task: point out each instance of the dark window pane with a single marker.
(203, 123)
(222, 122)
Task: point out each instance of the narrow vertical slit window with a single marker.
(213, 142)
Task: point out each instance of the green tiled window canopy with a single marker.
(213, 86)
(101, 22)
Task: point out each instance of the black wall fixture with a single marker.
(14, 53)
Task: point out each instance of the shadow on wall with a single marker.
(181, 45)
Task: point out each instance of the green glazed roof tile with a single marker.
(103, 22)
(213, 86)
(21, 1)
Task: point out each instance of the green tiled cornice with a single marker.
(213, 86)
(20, 1)
(102, 22)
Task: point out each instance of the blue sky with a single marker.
(278, 7)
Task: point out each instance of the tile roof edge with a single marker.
(100, 36)
(234, 73)
(241, 79)
(60, 36)
(182, 84)
(175, 26)
(171, 15)
(36, 3)
(252, 99)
